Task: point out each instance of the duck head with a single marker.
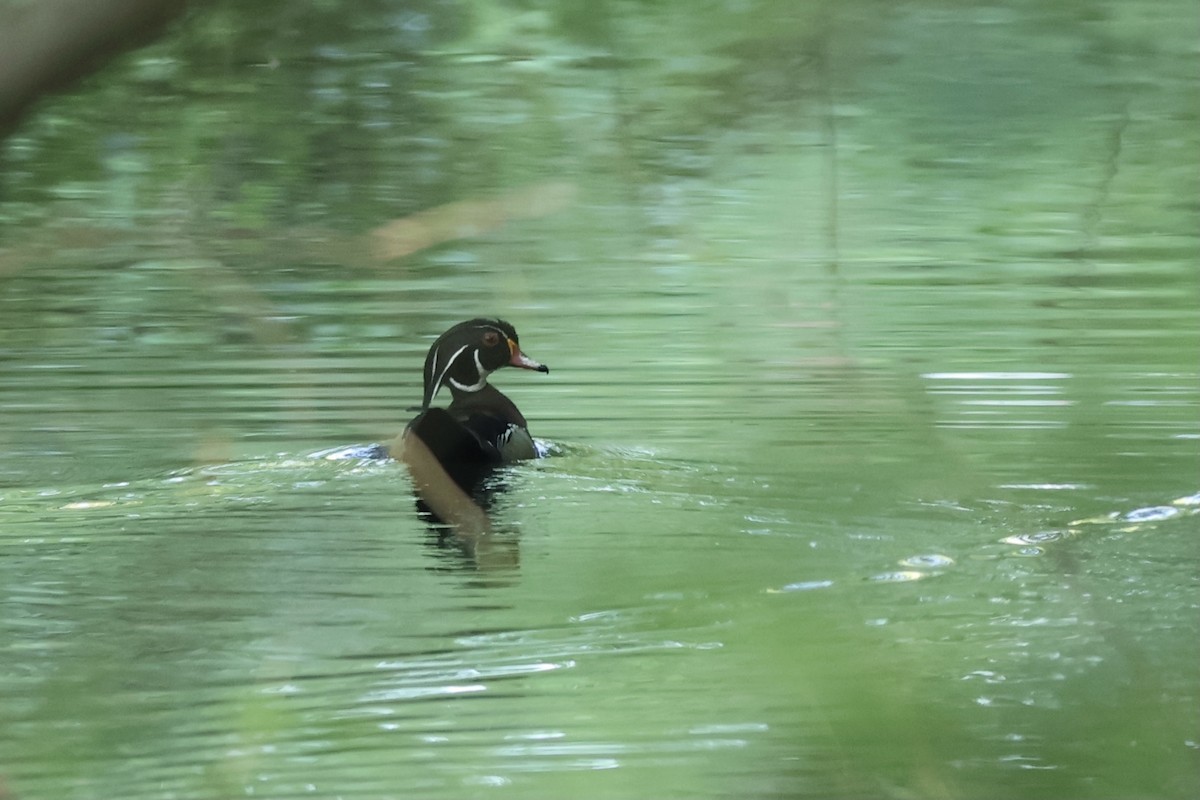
(464, 356)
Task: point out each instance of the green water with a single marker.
(874, 417)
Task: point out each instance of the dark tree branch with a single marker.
(48, 45)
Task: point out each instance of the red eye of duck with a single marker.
(491, 339)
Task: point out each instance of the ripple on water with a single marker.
(1038, 537)
(1190, 500)
(353, 452)
(1151, 514)
(927, 561)
(920, 567)
(899, 576)
(1137, 518)
(802, 586)
(1033, 543)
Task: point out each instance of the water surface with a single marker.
(873, 409)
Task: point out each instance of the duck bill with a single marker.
(523, 361)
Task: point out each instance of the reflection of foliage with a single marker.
(264, 119)
(281, 113)
(257, 113)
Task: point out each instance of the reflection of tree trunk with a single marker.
(470, 524)
(47, 45)
(445, 498)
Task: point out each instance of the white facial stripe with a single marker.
(446, 369)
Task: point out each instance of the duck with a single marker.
(482, 427)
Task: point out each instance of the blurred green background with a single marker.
(874, 334)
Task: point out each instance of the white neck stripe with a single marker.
(483, 376)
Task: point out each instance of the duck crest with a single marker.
(465, 355)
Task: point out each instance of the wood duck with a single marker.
(481, 428)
